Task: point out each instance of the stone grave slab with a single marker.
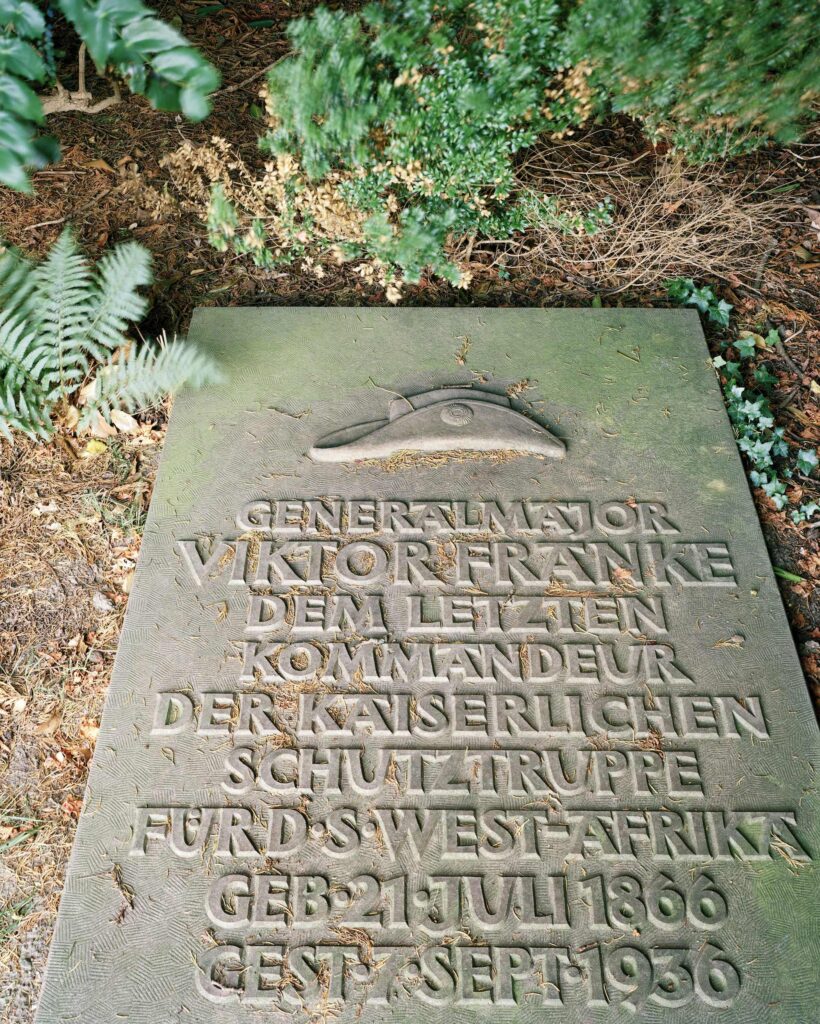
(455, 685)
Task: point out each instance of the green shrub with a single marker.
(413, 112)
(420, 106)
(121, 35)
(62, 331)
(714, 78)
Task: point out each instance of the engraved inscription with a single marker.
(483, 711)
(458, 693)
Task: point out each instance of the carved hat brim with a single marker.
(444, 421)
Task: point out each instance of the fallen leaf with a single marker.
(814, 217)
(732, 641)
(100, 428)
(100, 165)
(801, 416)
(72, 805)
(124, 422)
(102, 603)
(50, 725)
(40, 510)
(757, 338)
(89, 728)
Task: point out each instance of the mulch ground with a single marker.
(70, 520)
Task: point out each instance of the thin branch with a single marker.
(251, 78)
(47, 223)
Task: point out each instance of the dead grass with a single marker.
(668, 220)
(68, 545)
(434, 460)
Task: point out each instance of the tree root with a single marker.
(64, 100)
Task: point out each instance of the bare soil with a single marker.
(70, 519)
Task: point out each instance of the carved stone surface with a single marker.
(446, 420)
(455, 686)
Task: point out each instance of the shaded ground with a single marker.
(70, 521)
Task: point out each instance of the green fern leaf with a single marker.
(24, 410)
(115, 302)
(58, 318)
(138, 377)
(16, 282)
(22, 355)
(23, 403)
(59, 308)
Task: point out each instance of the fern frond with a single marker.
(23, 403)
(15, 279)
(58, 307)
(138, 377)
(22, 354)
(115, 302)
(24, 409)
(59, 318)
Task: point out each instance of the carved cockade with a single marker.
(450, 419)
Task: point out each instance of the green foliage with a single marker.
(714, 79)
(136, 377)
(20, 111)
(774, 461)
(59, 318)
(122, 36)
(421, 106)
(684, 291)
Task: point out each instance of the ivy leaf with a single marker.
(720, 312)
(680, 288)
(776, 490)
(745, 347)
(806, 461)
(764, 376)
(701, 298)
